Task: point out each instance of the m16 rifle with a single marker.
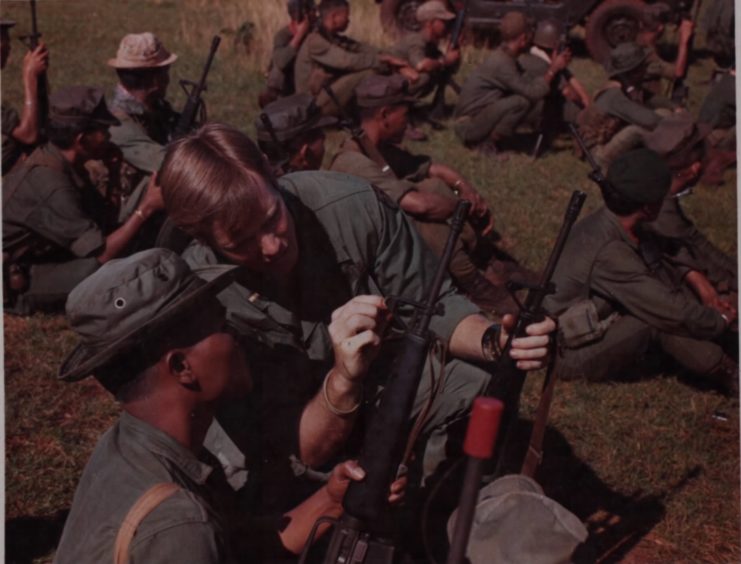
(595, 175)
(677, 90)
(437, 110)
(32, 42)
(359, 536)
(531, 311)
(194, 104)
(282, 166)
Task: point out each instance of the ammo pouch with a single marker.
(580, 325)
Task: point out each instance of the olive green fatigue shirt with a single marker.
(131, 457)
(280, 72)
(52, 207)
(601, 263)
(142, 137)
(497, 77)
(719, 107)
(656, 70)
(322, 59)
(614, 102)
(415, 48)
(11, 147)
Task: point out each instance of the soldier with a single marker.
(496, 97)
(652, 28)
(298, 141)
(54, 224)
(21, 132)
(311, 243)
(718, 111)
(618, 294)
(620, 117)
(427, 191)
(156, 337)
(567, 95)
(286, 43)
(329, 58)
(147, 120)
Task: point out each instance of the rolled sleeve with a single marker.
(331, 56)
(357, 164)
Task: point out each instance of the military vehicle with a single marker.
(607, 22)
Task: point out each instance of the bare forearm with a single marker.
(680, 66)
(321, 431)
(303, 517)
(428, 205)
(120, 238)
(28, 129)
(446, 174)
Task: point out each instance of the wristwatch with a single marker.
(490, 346)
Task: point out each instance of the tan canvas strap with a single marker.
(149, 500)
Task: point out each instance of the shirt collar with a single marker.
(538, 52)
(125, 102)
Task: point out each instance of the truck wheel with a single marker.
(400, 15)
(612, 23)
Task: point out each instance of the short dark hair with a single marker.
(617, 203)
(328, 5)
(138, 79)
(63, 135)
(275, 152)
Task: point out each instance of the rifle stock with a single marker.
(195, 101)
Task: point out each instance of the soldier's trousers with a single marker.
(499, 118)
(624, 346)
(343, 89)
(51, 283)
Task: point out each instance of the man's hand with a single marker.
(35, 62)
(531, 352)
(152, 200)
(409, 73)
(451, 57)
(355, 331)
(560, 61)
(344, 472)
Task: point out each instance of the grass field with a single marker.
(652, 464)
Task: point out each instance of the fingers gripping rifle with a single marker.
(531, 311)
(446, 77)
(32, 42)
(194, 91)
(677, 90)
(357, 538)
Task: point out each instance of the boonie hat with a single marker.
(141, 51)
(379, 90)
(291, 116)
(513, 24)
(128, 301)
(675, 137)
(434, 10)
(625, 58)
(641, 176)
(80, 105)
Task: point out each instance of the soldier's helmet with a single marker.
(547, 34)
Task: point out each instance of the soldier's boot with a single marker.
(725, 375)
(493, 299)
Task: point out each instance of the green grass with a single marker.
(646, 463)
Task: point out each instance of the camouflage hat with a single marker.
(141, 51)
(641, 176)
(379, 90)
(625, 58)
(291, 116)
(675, 138)
(5, 24)
(129, 301)
(513, 25)
(80, 106)
(434, 10)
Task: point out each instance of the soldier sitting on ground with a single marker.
(156, 337)
(718, 111)
(21, 133)
(57, 229)
(328, 58)
(147, 120)
(567, 95)
(427, 191)
(297, 123)
(497, 96)
(621, 115)
(618, 293)
(286, 43)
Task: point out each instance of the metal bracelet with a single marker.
(332, 408)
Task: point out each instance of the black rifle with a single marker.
(282, 166)
(32, 42)
(446, 78)
(358, 537)
(595, 175)
(531, 311)
(677, 90)
(194, 91)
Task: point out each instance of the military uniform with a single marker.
(280, 72)
(337, 61)
(719, 111)
(414, 48)
(12, 149)
(51, 226)
(556, 108)
(129, 459)
(378, 252)
(639, 297)
(496, 97)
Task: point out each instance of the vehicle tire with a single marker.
(399, 16)
(612, 22)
